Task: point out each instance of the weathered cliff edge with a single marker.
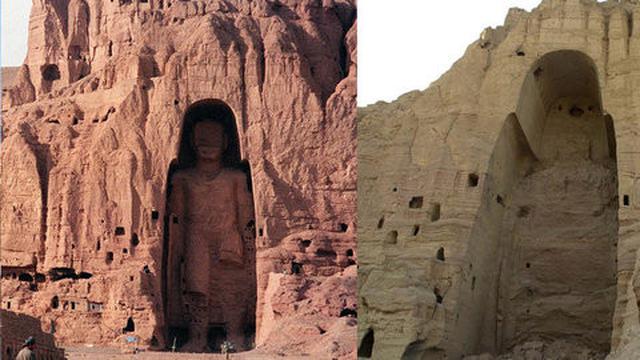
(498, 208)
(92, 124)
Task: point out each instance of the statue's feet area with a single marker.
(195, 346)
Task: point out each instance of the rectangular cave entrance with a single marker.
(559, 274)
(209, 257)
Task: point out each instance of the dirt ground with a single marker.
(94, 353)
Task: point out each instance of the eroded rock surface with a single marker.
(498, 207)
(93, 124)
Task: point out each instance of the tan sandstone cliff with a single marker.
(92, 125)
(498, 208)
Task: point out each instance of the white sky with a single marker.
(404, 45)
(14, 31)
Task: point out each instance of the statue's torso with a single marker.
(211, 203)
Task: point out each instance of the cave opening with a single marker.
(365, 350)
(216, 276)
(50, 72)
(130, 326)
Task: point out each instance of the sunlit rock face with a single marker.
(498, 207)
(95, 126)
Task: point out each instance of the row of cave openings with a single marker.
(434, 214)
(134, 241)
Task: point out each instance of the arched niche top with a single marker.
(556, 75)
(212, 109)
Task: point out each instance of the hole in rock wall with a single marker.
(343, 227)
(440, 254)
(326, 253)
(155, 215)
(225, 275)
(626, 201)
(559, 173)
(296, 268)
(55, 302)
(348, 312)
(50, 72)
(349, 253)
(438, 294)
(109, 257)
(416, 230)
(416, 202)
(130, 326)
(435, 212)
(135, 241)
(391, 238)
(381, 223)
(365, 350)
(119, 231)
(473, 180)
(25, 277)
(305, 243)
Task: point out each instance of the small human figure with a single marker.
(210, 206)
(27, 351)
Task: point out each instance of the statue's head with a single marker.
(210, 140)
(209, 133)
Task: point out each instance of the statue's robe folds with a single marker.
(207, 220)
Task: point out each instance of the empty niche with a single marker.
(343, 227)
(381, 223)
(349, 253)
(348, 312)
(119, 231)
(25, 277)
(109, 257)
(391, 238)
(130, 327)
(305, 244)
(438, 294)
(416, 202)
(416, 230)
(155, 215)
(135, 240)
(473, 180)
(296, 268)
(626, 200)
(440, 254)
(55, 302)
(50, 72)
(125, 250)
(365, 350)
(435, 212)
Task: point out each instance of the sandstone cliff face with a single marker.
(92, 125)
(498, 207)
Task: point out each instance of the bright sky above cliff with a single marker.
(405, 45)
(14, 31)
